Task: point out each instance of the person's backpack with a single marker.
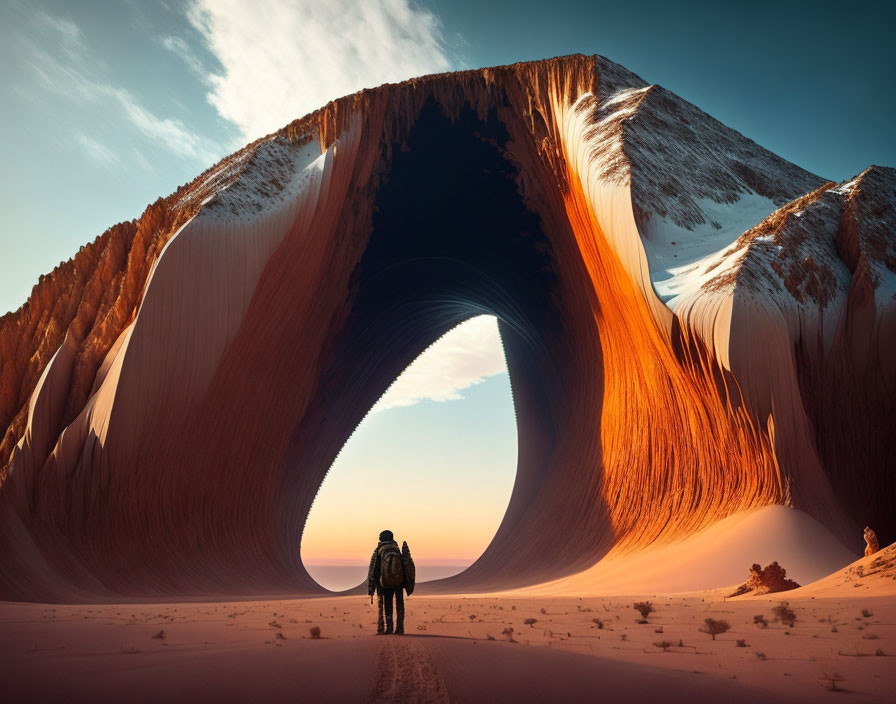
(410, 572)
(391, 567)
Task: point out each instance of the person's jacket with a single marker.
(373, 573)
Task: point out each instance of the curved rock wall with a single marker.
(174, 396)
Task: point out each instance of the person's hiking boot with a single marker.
(388, 630)
(399, 631)
(381, 631)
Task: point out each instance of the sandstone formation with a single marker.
(766, 580)
(871, 543)
(693, 327)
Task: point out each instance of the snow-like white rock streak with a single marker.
(690, 208)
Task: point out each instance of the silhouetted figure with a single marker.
(391, 573)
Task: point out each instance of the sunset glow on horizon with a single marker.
(437, 471)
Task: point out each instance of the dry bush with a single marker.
(280, 636)
(760, 655)
(598, 622)
(830, 679)
(315, 632)
(867, 613)
(645, 608)
(715, 627)
(741, 643)
(784, 614)
(509, 633)
(664, 644)
(160, 635)
(530, 621)
(759, 620)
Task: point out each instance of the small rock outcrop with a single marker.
(772, 578)
(871, 543)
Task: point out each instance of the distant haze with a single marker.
(338, 578)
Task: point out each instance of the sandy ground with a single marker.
(576, 650)
(528, 645)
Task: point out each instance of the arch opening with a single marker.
(434, 461)
(442, 252)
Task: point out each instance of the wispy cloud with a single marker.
(463, 357)
(281, 59)
(96, 151)
(179, 47)
(67, 68)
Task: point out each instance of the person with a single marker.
(386, 577)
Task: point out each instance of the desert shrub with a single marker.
(867, 613)
(472, 617)
(760, 655)
(280, 636)
(161, 635)
(645, 608)
(759, 620)
(508, 632)
(544, 611)
(315, 632)
(715, 627)
(598, 622)
(741, 643)
(879, 652)
(785, 614)
(830, 680)
(664, 644)
(530, 621)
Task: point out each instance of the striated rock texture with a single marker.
(693, 326)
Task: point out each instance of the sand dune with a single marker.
(719, 556)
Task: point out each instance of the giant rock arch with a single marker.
(693, 326)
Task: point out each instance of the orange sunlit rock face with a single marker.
(693, 326)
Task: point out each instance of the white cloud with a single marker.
(282, 59)
(96, 151)
(167, 132)
(459, 359)
(180, 48)
(67, 68)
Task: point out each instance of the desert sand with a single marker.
(456, 650)
(510, 646)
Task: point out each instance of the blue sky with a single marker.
(108, 105)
